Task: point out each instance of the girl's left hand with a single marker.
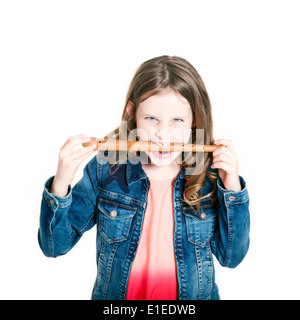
(226, 160)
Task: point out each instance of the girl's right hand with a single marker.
(69, 162)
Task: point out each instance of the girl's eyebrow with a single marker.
(155, 116)
(148, 115)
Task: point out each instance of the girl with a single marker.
(159, 215)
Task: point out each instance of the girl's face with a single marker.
(163, 119)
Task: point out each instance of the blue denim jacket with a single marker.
(116, 204)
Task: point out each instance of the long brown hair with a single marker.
(176, 73)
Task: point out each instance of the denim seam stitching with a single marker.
(109, 268)
(229, 241)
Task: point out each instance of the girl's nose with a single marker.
(163, 133)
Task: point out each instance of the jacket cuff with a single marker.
(53, 201)
(233, 197)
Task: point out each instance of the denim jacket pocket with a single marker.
(200, 225)
(114, 220)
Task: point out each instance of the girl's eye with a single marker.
(178, 120)
(150, 118)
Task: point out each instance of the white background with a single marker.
(65, 67)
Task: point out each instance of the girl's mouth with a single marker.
(162, 154)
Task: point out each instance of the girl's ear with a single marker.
(130, 107)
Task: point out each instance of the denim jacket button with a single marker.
(113, 213)
(203, 215)
(52, 201)
(231, 198)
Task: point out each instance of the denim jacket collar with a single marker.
(134, 172)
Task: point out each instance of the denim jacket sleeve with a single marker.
(231, 239)
(64, 220)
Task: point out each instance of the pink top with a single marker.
(153, 273)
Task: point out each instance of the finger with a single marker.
(225, 154)
(222, 150)
(74, 141)
(224, 158)
(225, 142)
(68, 145)
(80, 152)
(228, 168)
(83, 157)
